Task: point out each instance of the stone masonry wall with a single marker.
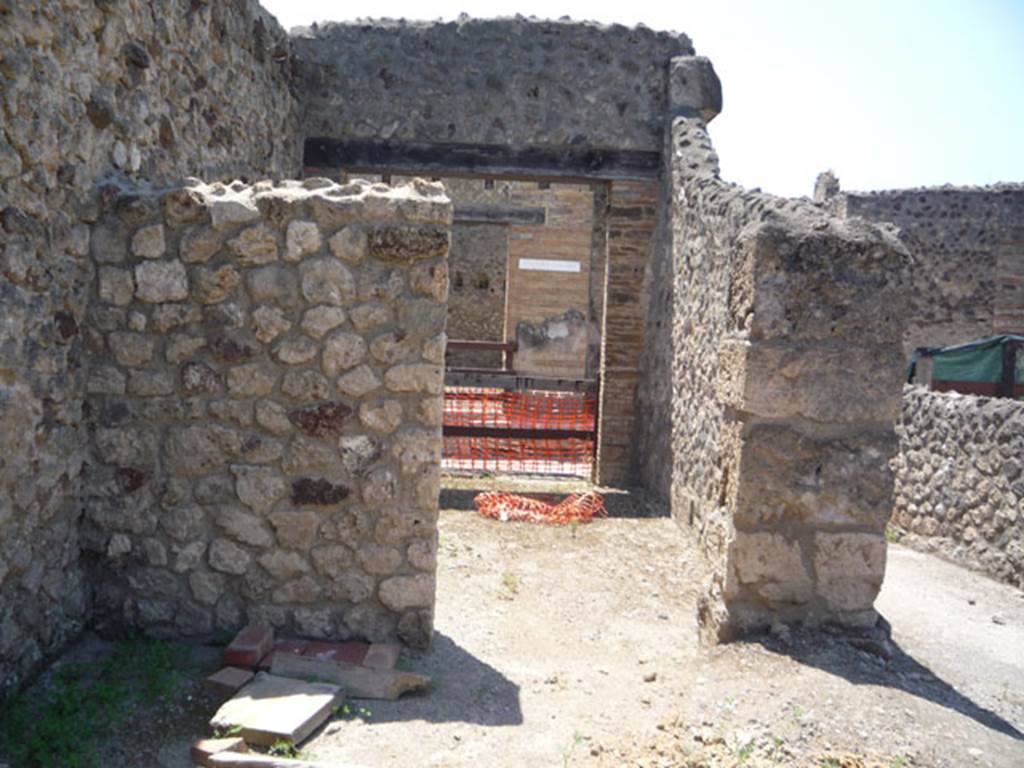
(968, 243)
(786, 381)
(150, 90)
(500, 81)
(960, 479)
(264, 406)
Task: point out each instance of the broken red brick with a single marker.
(347, 653)
(203, 748)
(382, 656)
(228, 680)
(296, 647)
(250, 646)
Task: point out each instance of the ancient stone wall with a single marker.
(503, 81)
(264, 398)
(786, 382)
(968, 244)
(960, 479)
(149, 90)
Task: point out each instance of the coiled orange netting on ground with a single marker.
(576, 507)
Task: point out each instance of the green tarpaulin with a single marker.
(980, 361)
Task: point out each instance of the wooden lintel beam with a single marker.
(518, 433)
(424, 158)
(498, 214)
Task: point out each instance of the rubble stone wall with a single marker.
(487, 81)
(960, 480)
(968, 244)
(264, 406)
(784, 325)
(148, 90)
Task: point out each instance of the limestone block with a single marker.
(206, 587)
(301, 239)
(359, 381)
(367, 316)
(319, 321)
(273, 417)
(116, 285)
(148, 242)
(198, 245)
(849, 568)
(407, 244)
(210, 286)
(395, 347)
(342, 351)
(259, 488)
(296, 350)
(327, 281)
(250, 380)
(242, 526)
(160, 281)
(788, 476)
(273, 285)
(415, 377)
(301, 590)
(305, 386)
(349, 244)
(131, 349)
(400, 593)
(771, 567)
(200, 450)
(358, 452)
(430, 280)
(227, 557)
(381, 415)
(694, 87)
(295, 529)
(333, 561)
(283, 565)
(150, 383)
(379, 560)
(254, 246)
(269, 322)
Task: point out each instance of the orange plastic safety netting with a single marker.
(576, 507)
(528, 417)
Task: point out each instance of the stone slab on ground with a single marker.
(249, 646)
(382, 656)
(228, 680)
(297, 647)
(349, 652)
(234, 760)
(203, 749)
(358, 682)
(272, 708)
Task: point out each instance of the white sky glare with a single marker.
(890, 94)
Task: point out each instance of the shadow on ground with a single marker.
(622, 503)
(465, 689)
(870, 660)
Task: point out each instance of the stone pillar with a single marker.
(264, 399)
(786, 336)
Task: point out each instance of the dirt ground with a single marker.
(576, 646)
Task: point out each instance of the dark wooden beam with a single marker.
(478, 377)
(519, 433)
(498, 214)
(424, 158)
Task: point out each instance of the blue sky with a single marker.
(888, 94)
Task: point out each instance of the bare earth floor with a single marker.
(559, 646)
(576, 646)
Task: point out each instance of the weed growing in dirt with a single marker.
(892, 533)
(745, 750)
(284, 748)
(351, 712)
(577, 739)
(222, 733)
(61, 726)
(509, 586)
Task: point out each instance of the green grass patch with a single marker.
(62, 725)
